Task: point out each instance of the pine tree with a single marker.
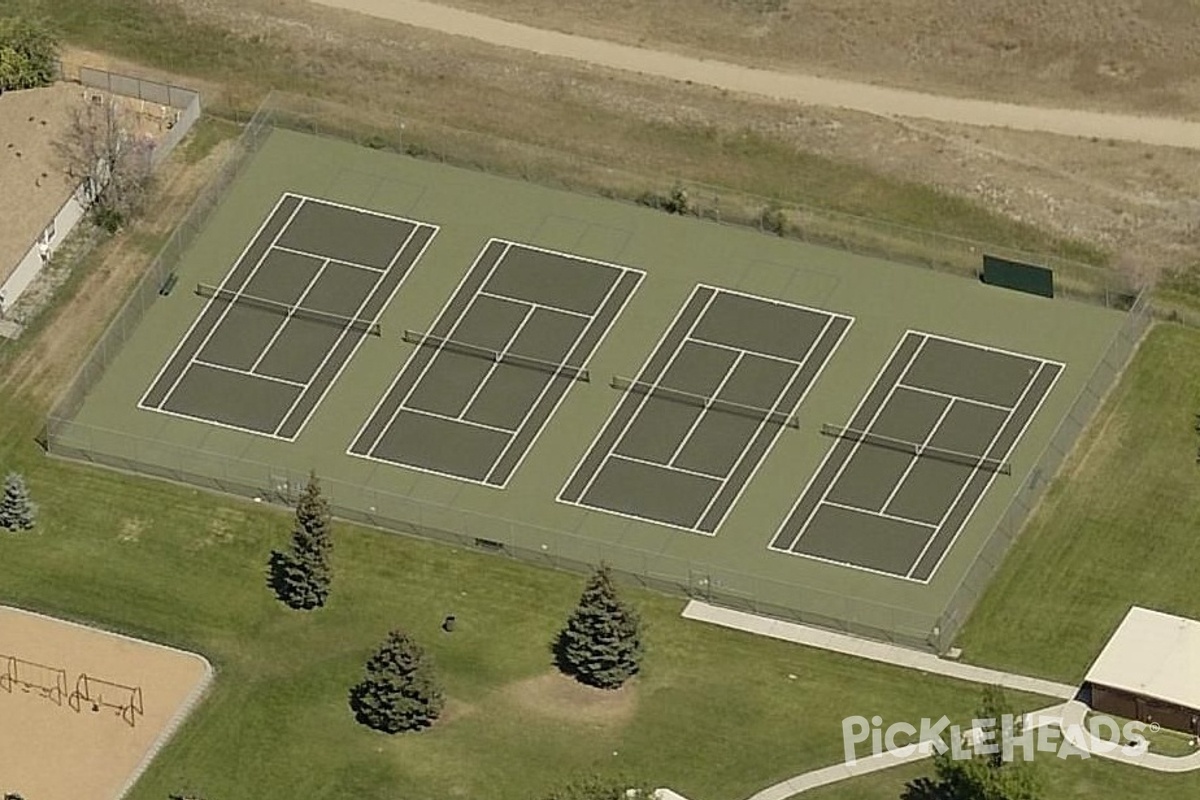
(988, 776)
(17, 511)
(400, 692)
(602, 643)
(301, 577)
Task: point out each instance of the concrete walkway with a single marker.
(805, 89)
(1068, 717)
(877, 763)
(873, 651)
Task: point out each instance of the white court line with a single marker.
(230, 305)
(600, 431)
(570, 256)
(816, 376)
(912, 459)
(569, 356)
(316, 257)
(512, 337)
(441, 345)
(227, 368)
(555, 309)
(187, 334)
(427, 413)
(641, 403)
(216, 423)
(962, 489)
(797, 368)
(684, 470)
(417, 468)
(369, 212)
(992, 478)
(623, 271)
(882, 514)
(291, 312)
(346, 329)
(759, 353)
(973, 401)
(416, 351)
(989, 348)
(690, 337)
(708, 406)
(833, 447)
(855, 447)
(635, 517)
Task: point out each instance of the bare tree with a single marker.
(109, 160)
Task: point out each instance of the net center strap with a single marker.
(918, 450)
(555, 368)
(287, 310)
(702, 401)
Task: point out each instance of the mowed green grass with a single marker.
(1062, 779)
(1120, 527)
(715, 715)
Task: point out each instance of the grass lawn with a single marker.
(1062, 779)
(715, 715)
(1118, 528)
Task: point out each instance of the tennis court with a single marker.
(288, 316)
(925, 444)
(481, 384)
(705, 409)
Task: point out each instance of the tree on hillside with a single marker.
(400, 691)
(301, 577)
(597, 788)
(985, 775)
(28, 53)
(601, 644)
(17, 511)
(109, 161)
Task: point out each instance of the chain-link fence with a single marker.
(147, 289)
(179, 107)
(223, 472)
(976, 579)
(561, 549)
(558, 168)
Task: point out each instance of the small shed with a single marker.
(1150, 671)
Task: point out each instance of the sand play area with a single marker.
(83, 711)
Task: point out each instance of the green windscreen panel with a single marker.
(1015, 275)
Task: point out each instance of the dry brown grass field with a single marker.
(1135, 202)
(1141, 55)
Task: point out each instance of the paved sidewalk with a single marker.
(877, 763)
(1075, 731)
(806, 89)
(873, 651)
(1068, 717)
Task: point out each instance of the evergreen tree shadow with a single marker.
(926, 789)
(277, 569)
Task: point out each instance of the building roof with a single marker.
(1154, 655)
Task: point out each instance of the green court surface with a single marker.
(572, 380)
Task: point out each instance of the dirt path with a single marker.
(804, 89)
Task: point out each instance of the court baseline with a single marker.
(897, 512)
(265, 371)
(749, 362)
(454, 411)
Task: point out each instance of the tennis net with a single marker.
(288, 310)
(499, 356)
(708, 403)
(918, 450)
